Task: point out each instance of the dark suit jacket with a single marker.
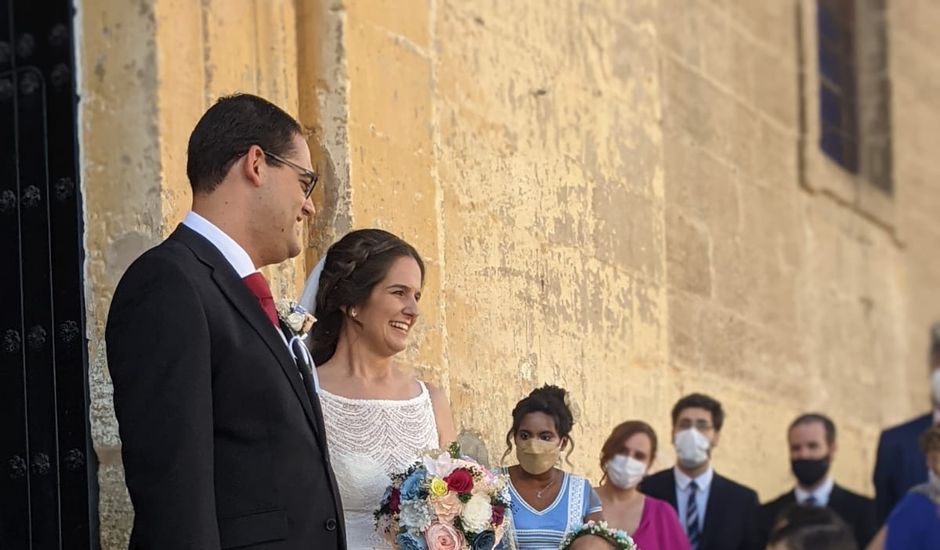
(858, 511)
(223, 447)
(900, 464)
(730, 516)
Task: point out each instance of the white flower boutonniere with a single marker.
(297, 319)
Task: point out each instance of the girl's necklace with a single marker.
(538, 494)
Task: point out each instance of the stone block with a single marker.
(408, 19)
(681, 26)
(701, 186)
(628, 230)
(688, 255)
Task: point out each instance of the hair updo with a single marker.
(353, 266)
(551, 400)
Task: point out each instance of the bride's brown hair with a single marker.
(353, 266)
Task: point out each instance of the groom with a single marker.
(222, 433)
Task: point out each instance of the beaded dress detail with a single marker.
(369, 439)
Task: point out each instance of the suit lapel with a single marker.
(245, 302)
(713, 511)
(837, 501)
(671, 493)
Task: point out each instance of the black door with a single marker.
(45, 471)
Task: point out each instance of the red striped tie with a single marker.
(259, 287)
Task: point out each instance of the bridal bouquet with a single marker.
(444, 502)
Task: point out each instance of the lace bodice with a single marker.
(369, 439)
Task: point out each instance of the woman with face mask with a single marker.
(626, 457)
(546, 500)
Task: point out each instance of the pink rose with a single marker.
(446, 508)
(442, 536)
(460, 481)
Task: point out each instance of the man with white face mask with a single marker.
(716, 513)
(900, 463)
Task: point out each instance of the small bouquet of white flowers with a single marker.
(444, 502)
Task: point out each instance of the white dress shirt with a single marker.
(231, 250)
(821, 493)
(704, 483)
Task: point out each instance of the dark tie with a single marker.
(691, 516)
(811, 501)
(258, 286)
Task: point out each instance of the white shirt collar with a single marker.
(231, 250)
(704, 480)
(936, 415)
(821, 493)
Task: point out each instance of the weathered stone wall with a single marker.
(625, 198)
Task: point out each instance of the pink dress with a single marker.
(659, 528)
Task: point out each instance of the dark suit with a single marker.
(856, 510)
(900, 464)
(223, 445)
(730, 515)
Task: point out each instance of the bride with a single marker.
(378, 417)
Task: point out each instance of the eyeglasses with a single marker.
(308, 179)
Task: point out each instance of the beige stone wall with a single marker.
(609, 195)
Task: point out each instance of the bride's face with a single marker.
(388, 316)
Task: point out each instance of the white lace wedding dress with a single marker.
(369, 439)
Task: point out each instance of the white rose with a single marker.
(477, 514)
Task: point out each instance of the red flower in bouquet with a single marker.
(394, 501)
(460, 481)
(498, 513)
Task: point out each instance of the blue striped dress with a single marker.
(544, 530)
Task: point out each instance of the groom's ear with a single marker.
(252, 165)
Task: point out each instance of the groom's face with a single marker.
(287, 206)
(392, 310)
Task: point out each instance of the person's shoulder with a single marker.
(435, 392)
(659, 484)
(912, 504)
(851, 497)
(661, 476)
(658, 506)
(731, 487)
(781, 500)
(913, 426)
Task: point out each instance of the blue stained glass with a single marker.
(825, 23)
(830, 141)
(828, 62)
(830, 107)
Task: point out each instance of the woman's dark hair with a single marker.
(621, 434)
(812, 528)
(550, 400)
(228, 129)
(353, 266)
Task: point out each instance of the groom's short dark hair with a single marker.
(228, 129)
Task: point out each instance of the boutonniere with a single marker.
(296, 317)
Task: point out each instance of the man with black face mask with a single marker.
(812, 441)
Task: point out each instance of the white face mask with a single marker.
(935, 386)
(625, 471)
(691, 448)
